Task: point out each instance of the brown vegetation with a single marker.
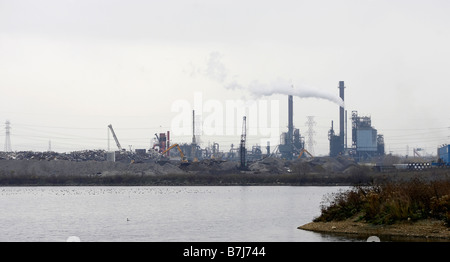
(390, 202)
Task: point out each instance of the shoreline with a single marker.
(422, 230)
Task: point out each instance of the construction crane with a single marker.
(115, 137)
(303, 151)
(183, 157)
(416, 152)
(242, 149)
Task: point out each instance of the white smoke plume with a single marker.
(217, 71)
(284, 87)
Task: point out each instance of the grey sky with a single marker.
(70, 68)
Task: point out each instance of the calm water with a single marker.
(161, 213)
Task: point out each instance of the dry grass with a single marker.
(390, 202)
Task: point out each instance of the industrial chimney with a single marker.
(337, 142)
(290, 119)
(341, 115)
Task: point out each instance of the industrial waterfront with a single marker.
(291, 155)
(220, 121)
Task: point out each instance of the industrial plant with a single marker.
(366, 145)
(366, 142)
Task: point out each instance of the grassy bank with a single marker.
(390, 202)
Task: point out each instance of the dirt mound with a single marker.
(211, 166)
(325, 164)
(270, 165)
(86, 168)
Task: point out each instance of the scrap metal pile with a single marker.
(78, 156)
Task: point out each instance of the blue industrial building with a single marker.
(443, 154)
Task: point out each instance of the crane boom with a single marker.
(183, 158)
(115, 137)
(303, 151)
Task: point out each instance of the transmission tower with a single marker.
(7, 137)
(242, 149)
(310, 134)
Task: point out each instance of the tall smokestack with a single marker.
(193, 127)
(346, 130)
(168, 143)
(291, 117)
(341, 113)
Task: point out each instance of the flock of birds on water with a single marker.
(92, 191)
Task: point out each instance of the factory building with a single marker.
(336, 147)
(443, 154)
(366, 142)
(291, 143)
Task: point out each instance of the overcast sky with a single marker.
(68, 69)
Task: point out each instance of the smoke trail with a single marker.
(217, 71)
(283, 87)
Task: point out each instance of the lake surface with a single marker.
(162, 214)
